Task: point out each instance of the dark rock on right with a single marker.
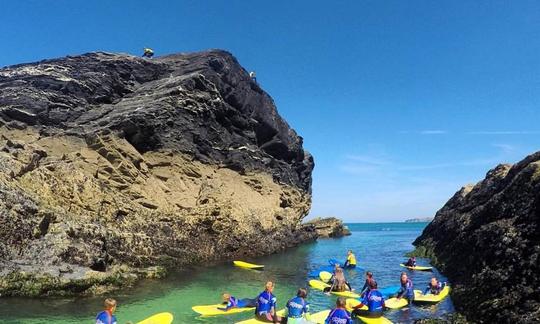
(486, 240)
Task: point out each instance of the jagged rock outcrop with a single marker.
(114, 166)
(486, 240)
(329, 227)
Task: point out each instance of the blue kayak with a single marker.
(333, 263)
(389, 291)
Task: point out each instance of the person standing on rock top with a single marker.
(148, 52)
(253, 76)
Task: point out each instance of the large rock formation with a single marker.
(486, 239)
(111, 165)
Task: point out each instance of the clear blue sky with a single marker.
(400, 102)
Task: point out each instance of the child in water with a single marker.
(339, 315)
(233, 302)
(297, 307)
(106, 316)
(434, 287)
(406, 290)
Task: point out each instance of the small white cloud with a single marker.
(433, 132)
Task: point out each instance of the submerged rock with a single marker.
(329, 227)
(486, 240)
(115, 164)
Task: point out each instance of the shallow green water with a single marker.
(379, 248)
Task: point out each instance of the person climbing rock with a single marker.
(253, 76)
(148, 52)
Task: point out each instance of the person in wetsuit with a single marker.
(233, 302)
(339, 315)
(106, 316)
(374, 300)
(406, 290)
(434, 287)
(339, 283)
(367, 283)
(411, 262)
(266, 305)
(297, 307)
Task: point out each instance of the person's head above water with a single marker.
(434, 281)
(269, 286)
(302, 293)
(404, 277)
(341, 302)
(349, 252)
(369, 274)
(226, 297)
(109, 304)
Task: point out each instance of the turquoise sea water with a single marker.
(379, 247)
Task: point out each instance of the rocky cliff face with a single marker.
(486, 239)
(329, 227)
(113, 167)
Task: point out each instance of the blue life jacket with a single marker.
(105, 318)
(338, 316)
(374, 300)
(233, 302)
(297, 306)
(265, 302)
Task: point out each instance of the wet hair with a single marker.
(226, 296)
(302, 293)
(109, 303)
(372, 284)
(403, 274)
(341, 302)
(369, 274)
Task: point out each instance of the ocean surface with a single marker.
(379, 247)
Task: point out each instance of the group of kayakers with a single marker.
(297, 307)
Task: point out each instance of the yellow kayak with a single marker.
(317, 284)
(212, 310)
(419, 268)
(419, 297)
(394, 303)
(325, 276)
(247, 265)
(319, 317)
(255, 321)
(351, 302)
(161, 318)
(379, 320)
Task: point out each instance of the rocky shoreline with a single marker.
(486, 240)
(115, 168)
